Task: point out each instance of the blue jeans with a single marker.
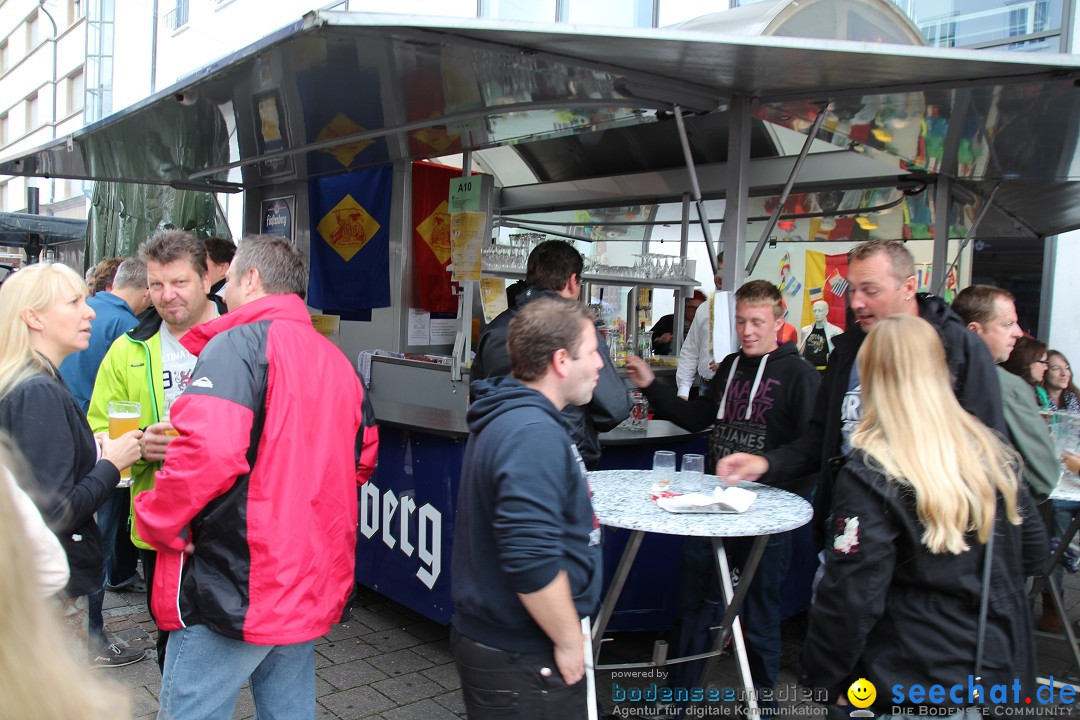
(204, 672)
(121, 560)
(112, 519)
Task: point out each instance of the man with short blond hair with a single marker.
(760, 398)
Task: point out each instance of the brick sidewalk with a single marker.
(387, 662)
(390, 663)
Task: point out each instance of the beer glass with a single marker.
(692, 473)
(124, 417)
(663, 468)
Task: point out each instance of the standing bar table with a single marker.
(621, 499)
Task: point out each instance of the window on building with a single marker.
(5, 56)
(533, 11)
(74, 11)
(443, 8)
(178, 16)
(636, 13)
(32, 105)
(1027, 25)
(4, 136)
(76, 90)
(33, 31)
(3, 197)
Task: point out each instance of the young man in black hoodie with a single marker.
(526, 565)
(760, 398)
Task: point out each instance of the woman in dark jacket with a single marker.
(913, 508)
(43, 319)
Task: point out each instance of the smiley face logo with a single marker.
(862, 693)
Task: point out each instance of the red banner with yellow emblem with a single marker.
(431, 236)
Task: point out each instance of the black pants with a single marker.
(497, 684)
(149, 561)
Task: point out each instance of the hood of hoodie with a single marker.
(499, 395)
(785, 352)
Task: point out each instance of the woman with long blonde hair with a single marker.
(43, 319)
(39, 676)
(914, 506)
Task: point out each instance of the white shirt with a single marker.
(50, 560)
(695, 355)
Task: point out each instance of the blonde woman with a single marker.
(39, 678)
(43, 319)
(924, 487)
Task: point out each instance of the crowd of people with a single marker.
(929, 466)
(922, 443)
(219, 506)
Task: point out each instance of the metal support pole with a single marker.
(775, 215)
(463, 342)
(691, 171)
(618, 580)
(942, 201)
(684, 248)
(35, 241)
(940, 282)
(943, 190)
(733, 232)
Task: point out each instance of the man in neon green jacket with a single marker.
(149, 365)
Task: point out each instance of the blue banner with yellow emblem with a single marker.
(341, 99)
(350, 240)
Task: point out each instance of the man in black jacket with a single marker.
(554, 268)
(881, 282)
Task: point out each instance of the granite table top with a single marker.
(621, 499)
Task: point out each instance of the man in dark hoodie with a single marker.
(554, 269)
(760, 398)
(526, 565)
(881, 282)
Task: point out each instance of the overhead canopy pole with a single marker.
(737, 193)
(940, 282)
(684, 249)
(695, 188)
(943, 191)
(774, 216)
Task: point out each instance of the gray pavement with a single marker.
(390, 663)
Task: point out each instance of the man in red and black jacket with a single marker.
(254, 513)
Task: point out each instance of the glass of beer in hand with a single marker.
(124, 417)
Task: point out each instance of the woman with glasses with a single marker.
(1058, 382)
(1029, 361)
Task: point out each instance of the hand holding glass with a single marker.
(123, 418)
